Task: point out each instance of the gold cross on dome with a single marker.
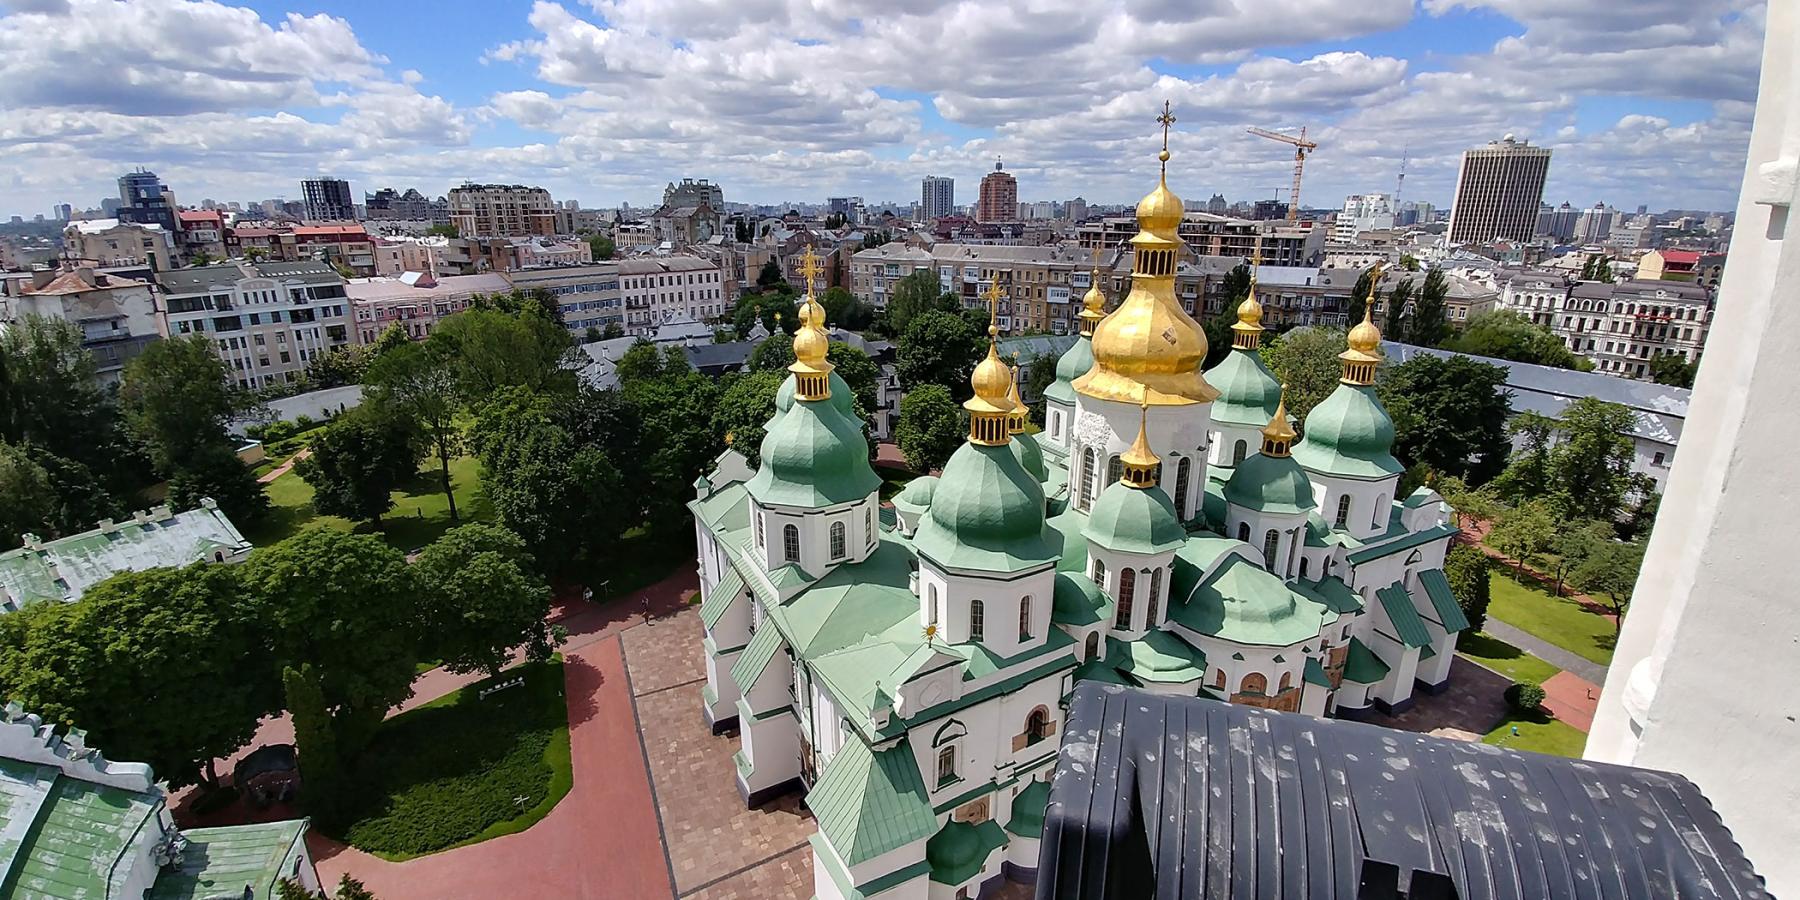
(992, 296)
(809, 267)
(1256, 256)
(1167, 119)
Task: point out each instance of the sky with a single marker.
(604, 101)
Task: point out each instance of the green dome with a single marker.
(1030, 454)
(842, 397)
(1274, 484)
(1074, 363)
(1349, 434)
(1134, 520)
(1243, 604)
(1248, 393)
(813, 455)
(987, 514)
(916, 496)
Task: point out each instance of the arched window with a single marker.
(1055, 424)
(869, 523)
(1238, 451)
(977, 620)
(1150, 615)
(1271, 547)
(1381, 512)
(1302, 567)
(837, 540)
(1090, 463)
(1244, 532)
(1183, 470)
(931, 608)
(946, 764)
(1254, 683)
(1114, 469)
(790, 543)
(1127, 592)
(1025, 618)
(1219, 678)
(1100, 573)
(1093, 646)
(1037, 726)
(1287, 680)
(1343, 513)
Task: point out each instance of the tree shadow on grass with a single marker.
(1478, 644)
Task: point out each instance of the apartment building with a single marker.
(873, 272)
(1037, 292)
(587, 295)
(1212, 235)
(396, 256)
(663, 289)
(1499, 188)
(1622, 326)
(327, 199)
(1535, 294)
(111, 242)
(416, 301)
(266, 320)
(117, 315)
(202, 233)
(999, 197)
(1304, 295)
(502, 210)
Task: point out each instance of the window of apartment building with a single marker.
(285, 358)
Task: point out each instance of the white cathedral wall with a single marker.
(1222, 450)
(1058, 419)
(861, 521)
(1369, 502)
(891, 861)
(1000, 602)
(1257, 660)
(1111, 427)
(1291, 529)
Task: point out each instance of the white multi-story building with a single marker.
(110, 242)
(1498, 191)
(659, 289)
(116, 315)
(266, 320)
(1537, 295)
(1363, 212)
(415, 301)
(937, 197)
(1622, 326)
(587, 295)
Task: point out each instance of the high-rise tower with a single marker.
(999, 197)
(1498, 190)
(937, 197)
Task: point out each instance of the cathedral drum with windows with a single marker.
(908, 668)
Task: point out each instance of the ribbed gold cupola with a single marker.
(1279, 434)
(1246, 332)
(1364, 353)
(1138, 465)
(1015, 420)
(1093, 303)
(1149, 350)
(990, 410)
(812, 371)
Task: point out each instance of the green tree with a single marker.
(1527, 476)
(389, 338)
(81, 497)
(1409, 262)
(348, 605)
(1574, 543)
(1040, 373)
(176, 397)
(770, 275)
(314, 738)
(1590, 469)
(414, 380)
(50, 398)
(602, 246)
(482, 598)
(1673, 369)
(164, 666)
(360, 459)
(1449, 413)
(843, 310)
(913, 295)
(676, 439)
(491, 349)
(1305, 359)
(939, 348)
(593, 334)
(1505, 334)
(1399, 298)
(1359, 295)
(1428, 326)
(612, 330)
(348, 889)
(1235, 286)
(1610, 575)
(215, 472)
(1466, 568)
(1469, 504)
(441, 231)
(562, 495)
(744, 409)
(27, 500)
(1524, 531)
(931, 427)
(773, 309)
(338, 367)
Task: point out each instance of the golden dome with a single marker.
(1365, 337)
(1249, 312)
(811, 369)
(1279, 434)
(993, 381)
(1016, 421)
(1160, 211)
(1365, 349)
(1093, 303)
(1139, 462)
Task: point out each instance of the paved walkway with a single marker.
(282, 469)
(1583, 667)
(1572, 699)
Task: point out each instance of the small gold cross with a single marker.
(1168, 120)
(809, 267)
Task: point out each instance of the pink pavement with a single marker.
(1572, 700)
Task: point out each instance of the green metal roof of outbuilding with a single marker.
(1443, 600)
(224, 861)
(868, 803)
(1362, 666)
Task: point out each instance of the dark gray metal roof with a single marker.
(1179, 797)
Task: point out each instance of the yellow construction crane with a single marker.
(1302, 146)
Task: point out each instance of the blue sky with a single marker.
(605, 100)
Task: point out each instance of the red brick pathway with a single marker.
(1572, 699)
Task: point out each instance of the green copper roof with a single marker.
(223, 861)
(916, 496)
(1243, 604)
(756, 656)
(1195, 558)
(720, 598)
(1028, 809)
(1349, 434)
(813, 455)
(1248, 393)
(77, 829)
(1074, 363)
(1362, 666)
(868, 802)
(987, 515)
(1134, 520)
(1101, 672)
(1157, 657)
(1078, 601)
(1406, 541)
(1400, 610)
(1315, 673)
(1030, 454)
(1273, 484)
(1067, 526)
(64, 568)
(959, 851)
(852, 603)
(1437, 587)
(1332, 593)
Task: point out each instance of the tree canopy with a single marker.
(358, 460)
(931, 427)
(563, 495)
(940, 348)
(744, 409)
(1449, 413)
(1506, 334)
(417, 382)
(1673, 369)
(482, 598)
(1427, 326)
(913, 295)
(1305, 359)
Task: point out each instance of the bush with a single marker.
(1524, 697)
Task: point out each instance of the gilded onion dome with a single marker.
(1149, 349)
(811, 369)
(1349, 433)
(1248, 393)
(990, 410)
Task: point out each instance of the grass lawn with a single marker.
(463, 768)
(420, 513)
(1504, 658)
(1559, 620)
(893, 481)
(1538, 733)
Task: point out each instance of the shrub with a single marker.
(1524, 697)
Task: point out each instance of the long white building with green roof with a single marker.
(909, 668)
(63, 569)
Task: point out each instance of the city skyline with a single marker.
(608, 102)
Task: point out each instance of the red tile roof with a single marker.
(1684, 257)
(74, 283)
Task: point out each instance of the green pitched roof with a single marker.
(1243, 604)
(1315, 673)
(756, 656)
(1405, 617)
(1274, 484)
(1404, 542)
(916, 496)
(1028, 809)
(869, 802)
(813, 455)
(1067, 526)
(716, 602)
(223, 861)
(63, 569)
(987, 515)
(1333, 593)
(1197, 554)
(1362, 666)
(958, 852)
(79, 830)
(1437, 587)
(1158, 656)
(1248, 393)
(1030, 454)
(1101, 672)
(1078, 601)
(1349, 434)
(852, 602)
(1134, 520)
